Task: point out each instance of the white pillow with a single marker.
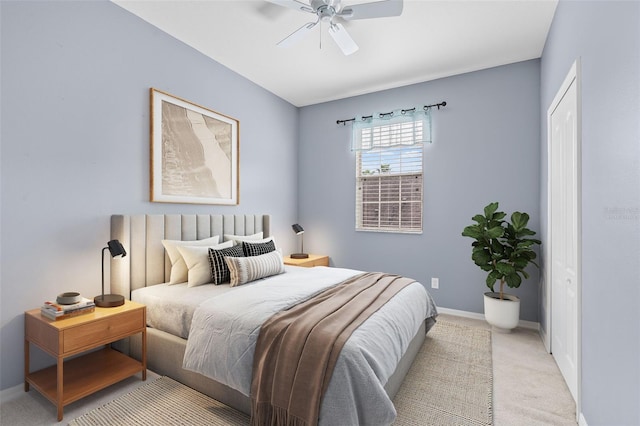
(247, 269)
(263, 240)
(237, 238)
(197, 261)
(178, 267)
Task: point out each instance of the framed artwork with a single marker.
(194, 153)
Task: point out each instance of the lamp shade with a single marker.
(116, 248)
(297, 229)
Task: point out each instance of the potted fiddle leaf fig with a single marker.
(502, 248)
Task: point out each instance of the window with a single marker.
(389, 175)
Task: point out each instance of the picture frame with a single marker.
(194, 153)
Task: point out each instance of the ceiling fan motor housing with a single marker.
(325, 9)
(317, 4)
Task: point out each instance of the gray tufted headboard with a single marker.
(146, 262)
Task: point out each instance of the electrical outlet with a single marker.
(435, 283)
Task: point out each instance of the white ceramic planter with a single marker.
(503, 314)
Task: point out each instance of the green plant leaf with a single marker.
(495, 232)
(525, 244)
(473, 231)
(513, 280)
(490, 209)
(496, 246)
(505, 268)
(519, 220)
(480, 219)
(520, 262)
(499, 216)
(525, 232)
(481, 256)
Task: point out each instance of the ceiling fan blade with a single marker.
(297, 35)
(293, 4)
(343, 39)
(378, 9)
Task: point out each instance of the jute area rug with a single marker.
(449, 383)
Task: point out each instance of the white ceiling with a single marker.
(430, 40)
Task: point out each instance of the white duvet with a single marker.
(225, 328)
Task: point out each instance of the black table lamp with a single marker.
(299, 231)
(110, 300)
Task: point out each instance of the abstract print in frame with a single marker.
(194, 153)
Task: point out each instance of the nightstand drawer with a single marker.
(104, 330)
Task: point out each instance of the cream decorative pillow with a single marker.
(178, 267)
(247, 269)
(238, 238)
(197, 260)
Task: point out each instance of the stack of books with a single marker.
(56, 311)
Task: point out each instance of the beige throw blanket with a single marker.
(298, 348)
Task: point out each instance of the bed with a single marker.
(363, 398)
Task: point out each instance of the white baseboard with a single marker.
(12, 393)
(464, 314)
(474, 315)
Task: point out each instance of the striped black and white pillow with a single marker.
(247, 269)
(256, 249)
(219, 269)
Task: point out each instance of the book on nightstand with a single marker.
(56, 311)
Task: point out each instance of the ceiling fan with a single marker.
(330, 10)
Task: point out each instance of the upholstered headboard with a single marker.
(146, 262)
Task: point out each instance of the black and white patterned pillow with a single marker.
(256, 249)
(219, 269)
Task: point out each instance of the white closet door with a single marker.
(564, 232)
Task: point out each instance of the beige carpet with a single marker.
(449, 383)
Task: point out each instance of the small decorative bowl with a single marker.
(68, 298)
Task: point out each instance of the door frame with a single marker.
(574, 74)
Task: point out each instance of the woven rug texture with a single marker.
(449, 383)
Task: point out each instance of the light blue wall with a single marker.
(75, 146)
(605, 35)
(486, 148)
(75, 78)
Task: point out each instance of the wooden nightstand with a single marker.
(312, 260)
(68, 381)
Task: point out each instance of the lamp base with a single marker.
(299, 256)
(109, 300)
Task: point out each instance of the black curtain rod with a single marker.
(384, 114)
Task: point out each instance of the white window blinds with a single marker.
(403, 129)
(389, 179)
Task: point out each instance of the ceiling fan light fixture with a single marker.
(328, 10)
